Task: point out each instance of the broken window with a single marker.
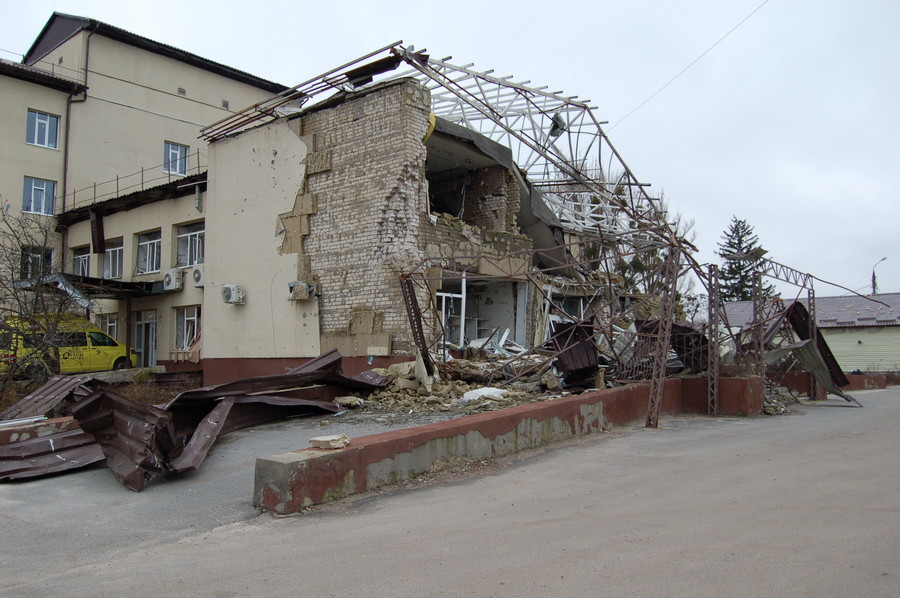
(149, 247)
(468, 183)
(187, 326)
(109, 323)
(112, 259)
(190, 243)
(36, 262)
(81, 261)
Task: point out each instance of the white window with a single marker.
(175, 158)
(38, 196)
(112, 259)
(81, 261)
(187, 326)
(190, 241)
(36, 262)
(109, 323)
(42, 129)
(149, 247)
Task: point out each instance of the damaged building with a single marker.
(294, 241)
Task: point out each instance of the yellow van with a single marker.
(75, 347)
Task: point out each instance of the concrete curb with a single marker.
(289, 482)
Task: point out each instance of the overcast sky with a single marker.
(792, 122)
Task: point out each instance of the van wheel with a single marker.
(37, 373)
(120, 364)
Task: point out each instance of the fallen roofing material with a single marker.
(34, 446)
(142, 442)
(55, 391)
(798, 316)
(135, 438)
(44, 447)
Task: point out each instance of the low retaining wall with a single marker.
(800, 382)
(290, 482)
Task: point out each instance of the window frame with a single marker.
(35, 120)
(190, 244)
(114, 256)
(46, 200)
(177, 154)
(149, 250)
(109, 323)
(81, 261)
(31, 255)
(188, 321)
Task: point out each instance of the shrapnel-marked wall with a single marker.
(371, 221)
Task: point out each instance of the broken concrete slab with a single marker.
(334, 441)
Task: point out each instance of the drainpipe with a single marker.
(68, 128)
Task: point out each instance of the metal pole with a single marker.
(758, 322)
(661, 353)
(813, 329)
(712, 370)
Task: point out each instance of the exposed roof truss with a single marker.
(556, 140)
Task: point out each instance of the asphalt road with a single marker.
(797, 505)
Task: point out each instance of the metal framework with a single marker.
(555, 139)
(561, 149)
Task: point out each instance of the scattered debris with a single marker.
(143, 442)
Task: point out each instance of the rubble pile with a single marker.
(461, 390)
(776, 400)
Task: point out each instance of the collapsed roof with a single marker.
(556, 142)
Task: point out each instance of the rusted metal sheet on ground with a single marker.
(326, 368)
(53, 453)
(142, 442)
(203, 438)
(135, 438)
(45, 399)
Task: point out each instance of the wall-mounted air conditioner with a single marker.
(172, 280)
(300, 291)
(233, 293)
(197, 276)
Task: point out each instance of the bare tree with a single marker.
(30, 311)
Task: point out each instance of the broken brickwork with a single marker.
(366, 171)
(369, 182)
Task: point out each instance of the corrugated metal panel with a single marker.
(69, 449)
(141, 442)
(135, 438)
(878, 351)
(800, 322)
(43, 400)
(575, 345)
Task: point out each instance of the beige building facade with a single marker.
(94, 114)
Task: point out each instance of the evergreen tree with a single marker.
(736, 274)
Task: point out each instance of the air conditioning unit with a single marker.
(197, 275)
(300, 291)
(233, 293)
(172, 280)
